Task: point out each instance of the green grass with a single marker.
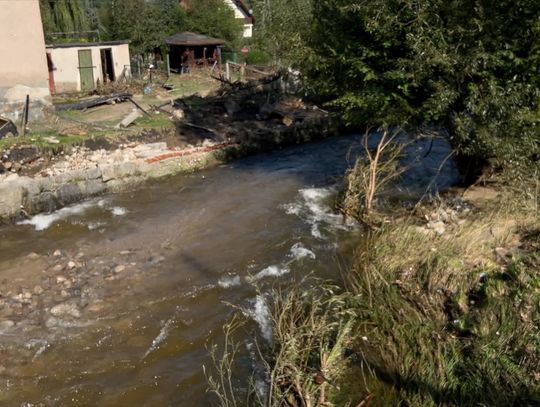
(443, 322)
(154, 121)
(39, 136)
(39, 139)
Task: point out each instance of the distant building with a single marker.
(241, 11)
(23, 64)
(76, 67)
(188, 50)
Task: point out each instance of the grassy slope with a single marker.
(452, 320)
(425, 320)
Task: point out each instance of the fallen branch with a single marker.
(138, 106)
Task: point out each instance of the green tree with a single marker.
(471, 66)
(66, 17)
(145, 23)
(216, 19)
(282, 29)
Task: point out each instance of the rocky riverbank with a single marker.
(96, 168)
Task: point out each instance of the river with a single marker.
(115, 301)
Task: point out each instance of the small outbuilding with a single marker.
(75, 67)
(189, 49)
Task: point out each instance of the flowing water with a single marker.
(146, 279)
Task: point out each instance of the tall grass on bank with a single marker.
(372, 173)
(305, 362)
(445, 324)
(423, 320)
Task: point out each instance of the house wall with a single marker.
(238, 13)
(248, 30)
(65, 61)
(23, 63)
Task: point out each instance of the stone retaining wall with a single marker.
(25, 196)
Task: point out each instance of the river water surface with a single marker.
(149, 276)
(115, 301)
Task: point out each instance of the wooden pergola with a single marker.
(189, 49)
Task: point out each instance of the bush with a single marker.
(470, 67)
(257, 57)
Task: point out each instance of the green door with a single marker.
(86, 70)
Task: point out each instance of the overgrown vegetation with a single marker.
(372, 173)
(469, 67)
(445, 324)
(311, 332)
(424, 320)
(215, 19)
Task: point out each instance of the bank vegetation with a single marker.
(424, 316)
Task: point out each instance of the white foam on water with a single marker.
(163, 334)
(261, 315)
(118, 211)
(270, 271)
(298, 251)
(227, 282)
(102, 203)
(44, 221)
(95, 225)
(313, 207)
(41, 345)
(315, 231)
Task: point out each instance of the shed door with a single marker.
(86, 70)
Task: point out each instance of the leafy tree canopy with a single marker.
(146, 23)
(471, 66)
(216, 19)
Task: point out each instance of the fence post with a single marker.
(168, 62)
(242, 71)
(227, 71)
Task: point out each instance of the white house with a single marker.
(242, 11)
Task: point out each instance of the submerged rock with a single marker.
(66, 309)
(6, 325)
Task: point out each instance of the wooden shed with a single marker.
(189, 49)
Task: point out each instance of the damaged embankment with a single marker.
(242, 124)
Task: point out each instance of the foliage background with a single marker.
(146, 23)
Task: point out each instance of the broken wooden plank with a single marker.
(130, 118)
(6, 127)
(195, 126)
(88, 103)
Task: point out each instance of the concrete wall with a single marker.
(65, 61)
(23, 63)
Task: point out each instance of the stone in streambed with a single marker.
(66, 309)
